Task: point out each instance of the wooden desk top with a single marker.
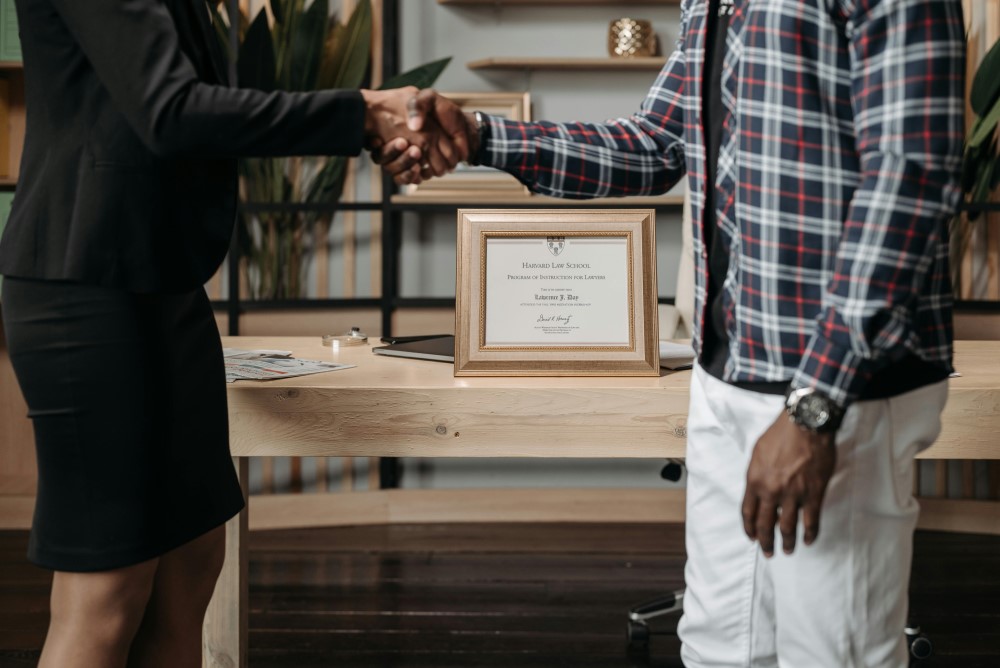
(389, 406)
(381, 371)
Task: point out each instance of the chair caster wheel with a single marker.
(921, 646)
(638, 636)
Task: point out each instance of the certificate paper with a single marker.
(558, 292)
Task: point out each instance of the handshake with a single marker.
(416, 135)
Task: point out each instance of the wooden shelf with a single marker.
(559, 3)
(11, 65)
(570, 64)
(7, 181)
(490, 199)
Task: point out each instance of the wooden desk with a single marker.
(391, 407)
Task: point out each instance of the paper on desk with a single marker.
(676, 356)
(240, 353)
(265, 365)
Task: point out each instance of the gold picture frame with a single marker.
(556, 293)
(468, 181)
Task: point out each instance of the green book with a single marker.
(10, 42)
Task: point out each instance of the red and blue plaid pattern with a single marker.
(837, 176)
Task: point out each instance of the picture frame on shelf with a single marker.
(556, 293)
(469, 182)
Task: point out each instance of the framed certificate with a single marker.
(556, 293)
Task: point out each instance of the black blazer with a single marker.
(128, 177)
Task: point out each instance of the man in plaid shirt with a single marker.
(821, 140)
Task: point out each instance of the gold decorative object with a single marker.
(631, 38)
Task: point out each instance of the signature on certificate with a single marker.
(561, 319)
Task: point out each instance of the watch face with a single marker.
(813, 411)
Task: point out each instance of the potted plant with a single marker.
(981, 163)
(302, 49)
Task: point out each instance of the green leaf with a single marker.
(278, 10)
(255, 68)
(986, 84)
(986, 127)
(353, 50)
(421, 77)
(307, 46)
(970, 166)
(329, 183)
(334, 52)
(292, 14)
(982, 190)
(221, 29)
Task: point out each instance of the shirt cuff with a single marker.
(837, 372)
(501, 142)
(355, 110)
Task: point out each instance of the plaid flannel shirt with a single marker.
(837, 176)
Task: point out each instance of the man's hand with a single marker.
(395, 123)
(789, 470)
(403, 162)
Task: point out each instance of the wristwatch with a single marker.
(813, 410)
(481, 131)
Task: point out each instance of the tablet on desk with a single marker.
(439, 349)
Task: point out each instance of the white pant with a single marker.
(841, 602)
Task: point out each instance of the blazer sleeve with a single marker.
(133, 47)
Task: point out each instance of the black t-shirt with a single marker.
(715, 338)
(905, 375)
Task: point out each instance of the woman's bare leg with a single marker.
(170, 634)
(95, 616)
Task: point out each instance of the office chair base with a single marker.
(638, 634)
(638, 631)
(920, 645)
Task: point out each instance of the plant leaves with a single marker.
(327, 186)
(221, 30)
(986, 126)
(981, 192)
(334, 52)
(986, 85)
(307, 46)
(354, 50)
(292, 12)
(423, 76)
(970, 165)
(277, 10)
(256, 68)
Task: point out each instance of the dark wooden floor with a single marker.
(512, 596)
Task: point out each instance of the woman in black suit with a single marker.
(124, 208)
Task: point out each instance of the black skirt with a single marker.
(127, 394)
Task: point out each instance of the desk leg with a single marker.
(224, 639)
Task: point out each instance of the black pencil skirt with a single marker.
(127, 394)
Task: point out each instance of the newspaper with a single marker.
(271, 365)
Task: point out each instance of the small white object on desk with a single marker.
(676, 356)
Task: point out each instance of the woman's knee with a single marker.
(195, 566)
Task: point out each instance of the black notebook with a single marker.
(439, 349)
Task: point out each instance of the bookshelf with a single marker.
(654, 64)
